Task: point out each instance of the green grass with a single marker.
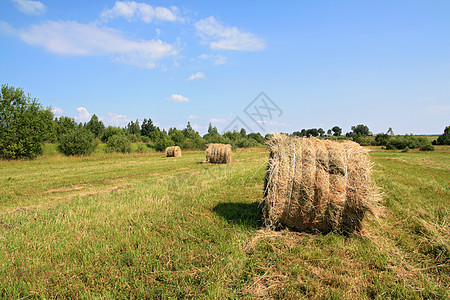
(146, 226)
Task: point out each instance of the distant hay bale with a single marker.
(218, 154)
(173, 151)
(317, 185)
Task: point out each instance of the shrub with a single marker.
(24, 124)
(141, 148)
(381, 139)
(109, 132)
(402, 141)
(427, 147)
(118, 143)
(79, 141)
(406, 149)
(444, 139)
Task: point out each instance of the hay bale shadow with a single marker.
(244, 214)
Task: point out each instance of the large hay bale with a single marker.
(173, 151)
(218, 153)
(317, 185)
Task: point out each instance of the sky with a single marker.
(267, 66)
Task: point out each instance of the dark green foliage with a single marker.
(381, 139)
(257, 137)
(24, 124)
(403, 141)
(427, 147)
(64, 125)
(360, 129)
(79, 141)
(337, 131)
(119, 143)
(444, 139)
(95, 126)
(364, 140)
(134, 128)
(109, 132)
(162, 140)
(321, 132)
(147, 127)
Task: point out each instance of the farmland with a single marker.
(145, 226)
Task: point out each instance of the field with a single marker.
(146, 226)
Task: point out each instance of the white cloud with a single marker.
(177, 98)
(82, 115)
(196, 76)
(229, 38)
(29, 7)
(115, 119)
(271, 123)
(57, 110)
(213, 120)
(197, 126)
(73, 38)
(192, 117)
(216, 59)
(131, 10)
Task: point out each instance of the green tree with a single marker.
(147, 127)
(337, 131)
(444, 139)
(119, 143)
(109, 132)
(78, 141)
(321, 132)
(95, 126)
(64, 125)
(134, 127)
(24, 124)
(360, 129)
(176, 136)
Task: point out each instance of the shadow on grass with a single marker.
(245, 214)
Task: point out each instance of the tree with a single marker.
(134, 127)
(119, 143)
(176, 136)
(329, 133)
(147, 127)
(390, 131)
(78, 141)
(337, 131)
(243, 133)
(95, 126)
(24, 124)
(444, 139)
(312, 132)
(382, 139)
(321, 131)
(360, 129)
(110, 131)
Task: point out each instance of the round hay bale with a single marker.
(218, 153)
(317, 185)
(173, 151)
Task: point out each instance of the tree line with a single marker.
(25, 125)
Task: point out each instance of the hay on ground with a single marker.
(317, 185)
(173, 151)
(218, 153)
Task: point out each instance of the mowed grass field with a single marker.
(146, 226)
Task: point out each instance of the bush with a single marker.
(402, 141)
(382, 139)
(444, 139)
(24, 123)
(109, 132)
(427, 147)
(77, 141)
(406, 149)
(118, 143)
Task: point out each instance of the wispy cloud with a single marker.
(228, 38)
(177, 98)
(196, 76)
(115, 119)
(29, 7)
(73, 38)
(216, 59)
(131, 10)
(82, 115)
(192, 117)
(57, 110)
(214, 120)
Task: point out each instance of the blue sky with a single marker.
(322, 63)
